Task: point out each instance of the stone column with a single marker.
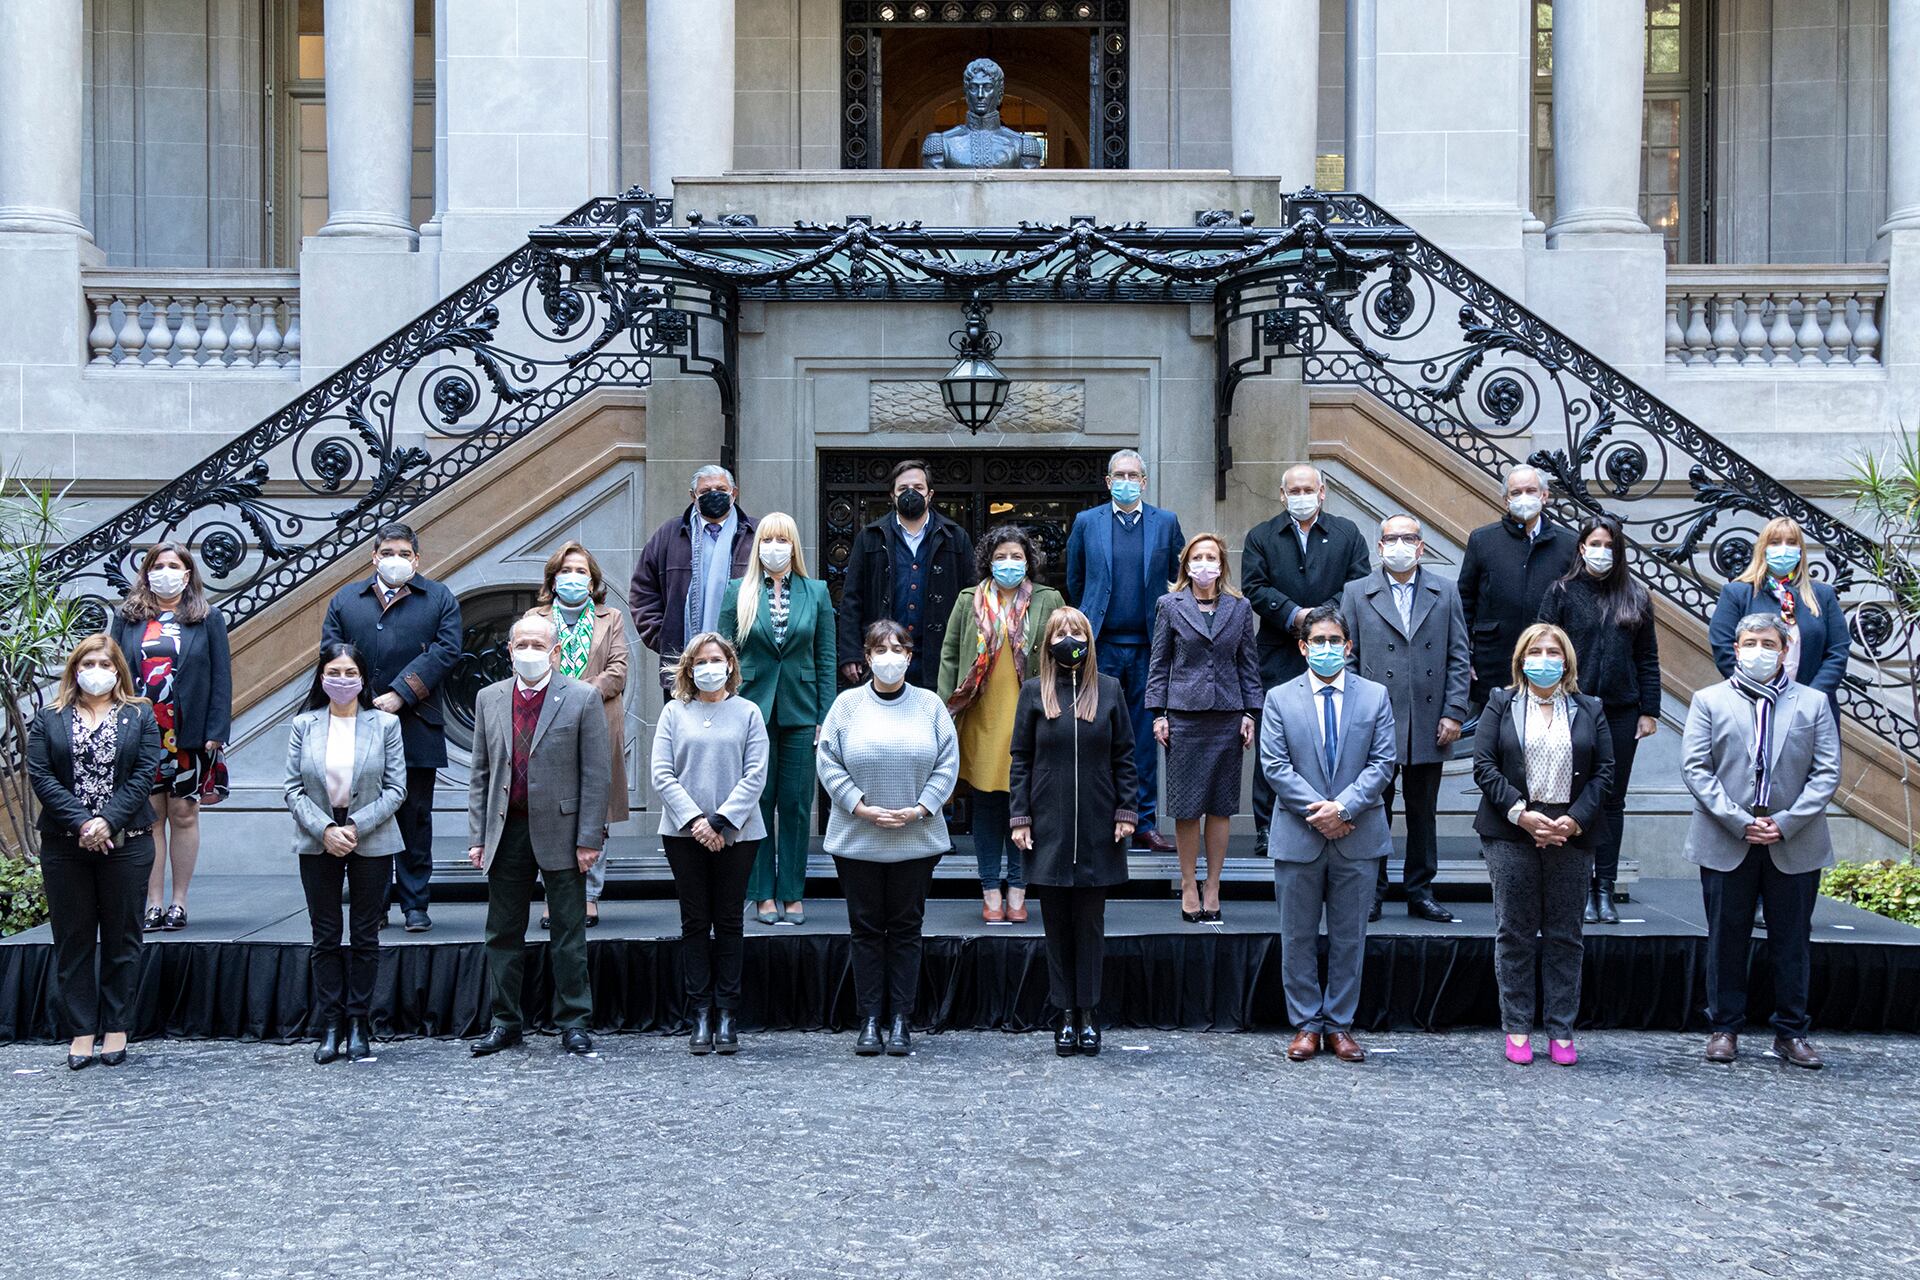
(1599, 79)
(689, 90)
(1360, 92)
(42, 69)
(1903, 117)
(369, 119)
(1274, 46)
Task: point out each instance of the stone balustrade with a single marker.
(194, 321)
(1775, 316)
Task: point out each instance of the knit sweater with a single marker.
(893, 755)
(1618, 665)
(700, 770)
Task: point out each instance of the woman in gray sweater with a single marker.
(709, 768)
(888, 759)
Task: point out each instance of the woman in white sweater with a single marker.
(888, 759)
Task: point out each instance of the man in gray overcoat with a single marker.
(1410, 635)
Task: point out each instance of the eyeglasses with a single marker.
(1401, 540)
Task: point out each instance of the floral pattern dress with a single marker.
(183, 765)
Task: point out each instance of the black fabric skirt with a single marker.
(1203, 764)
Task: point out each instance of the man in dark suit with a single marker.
(909, 566)
(675, 593)
(1121, 557)
(541, 755)
(1507, 569)
(408, 628)
(1409, 635)
(1294, 563)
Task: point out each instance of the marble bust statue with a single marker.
(982, 142)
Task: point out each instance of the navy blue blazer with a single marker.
(1090, 584)
(202, 677)
(411, 647)
(1823, 640)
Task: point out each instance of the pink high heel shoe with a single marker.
(1562, 1053)
(1520, 1054)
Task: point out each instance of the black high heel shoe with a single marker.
(115, 1059)
(79, 1062)
(1066, 1037)
(328, 1050)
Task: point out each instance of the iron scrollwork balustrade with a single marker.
(1472, 368)
(430, 404)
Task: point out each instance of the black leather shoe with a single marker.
(496, 1039)
(76, 1062)
(359, 1040)
(1424, 907)
(1373, 916)
(1799, 1051)
(576, 1041)
(726, 1035)
(1608, 909)
(328, 1050)
(701, 1042)
(1066, 1037)
(869, 1042)
(1090, 1037)
(417, 922)
(899, 1037)
(114, 1059)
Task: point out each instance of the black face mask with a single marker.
(1068, 651)
(911, 504)
(714, 504)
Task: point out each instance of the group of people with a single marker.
(1352, 671)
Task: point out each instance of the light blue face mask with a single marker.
(1544, 673)
(1009, 573)
(1783, 560)
(572, 588)
(1125, 492)
(1326, 657)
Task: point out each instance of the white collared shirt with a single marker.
(521, 686)
(1126, 517)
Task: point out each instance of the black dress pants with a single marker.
(1419, 787)
(1075, 922)
(1789, 899)
(343, 986)
(1623, 723)
(886, 904)
(713, 889)
(413, 865)
(94, 900)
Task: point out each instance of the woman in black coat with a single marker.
(1072, 782)
(91, 757)
(1543, 760)
(175, 644)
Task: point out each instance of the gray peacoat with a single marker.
(1427, 669)
(1194, 667)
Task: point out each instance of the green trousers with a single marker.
(780, 868)
(509, 895)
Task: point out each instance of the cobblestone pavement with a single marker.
(1171, 1155)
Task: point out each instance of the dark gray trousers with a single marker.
(1538, 898)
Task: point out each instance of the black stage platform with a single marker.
(239, 971)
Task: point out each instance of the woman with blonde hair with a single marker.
(91, 759)
(1543, 759)
(1203, 689)
(1073, 788)
(781, 623)
(1777, 581)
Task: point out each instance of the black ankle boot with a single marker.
(1090, 1035)
(359, 1040)
(702, 1041)
(899, 1037)
(726, 1036)
(869, 1042)
(1066, 1037)
(1592, 913)
(1609, 910)
(329, 1047)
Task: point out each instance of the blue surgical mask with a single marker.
(1544, 673)
(1009, 573)
(1125, 492)
(572, 588)
(1783, 560)
(1326, 658)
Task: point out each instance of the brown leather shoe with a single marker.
(1152, 841)
(1722, 1046)
(1343, 1046)
(1305, 1045)
(1798, 1050)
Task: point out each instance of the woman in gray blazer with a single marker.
(346, 778)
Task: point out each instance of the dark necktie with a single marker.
(1331, 748)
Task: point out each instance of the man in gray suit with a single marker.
(1761, 755)
(1326, 748)
(1410, 635)
(535, 801)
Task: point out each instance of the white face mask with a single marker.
(1303, 506)
(1599, 559)
(776, 556)
(709, 677)
(531, 665)
(1524, 506)
(1757, 663)
(166, 583)
(1399, 557)
(889, 667)
(395, 571)
(96, 682)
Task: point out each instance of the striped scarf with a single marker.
(1764, 696)
(992, 628)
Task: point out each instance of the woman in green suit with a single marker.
(992, 646)
(781, 622)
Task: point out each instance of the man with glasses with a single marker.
(684, 569)
(1505, 573)
(909, 566)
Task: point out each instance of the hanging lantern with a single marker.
(974, 389)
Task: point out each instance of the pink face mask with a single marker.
(1204, 574)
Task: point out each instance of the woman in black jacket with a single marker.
(91, 757)
(1072, 785)
(1609, 617)
(175, 644)
(1542, 759)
